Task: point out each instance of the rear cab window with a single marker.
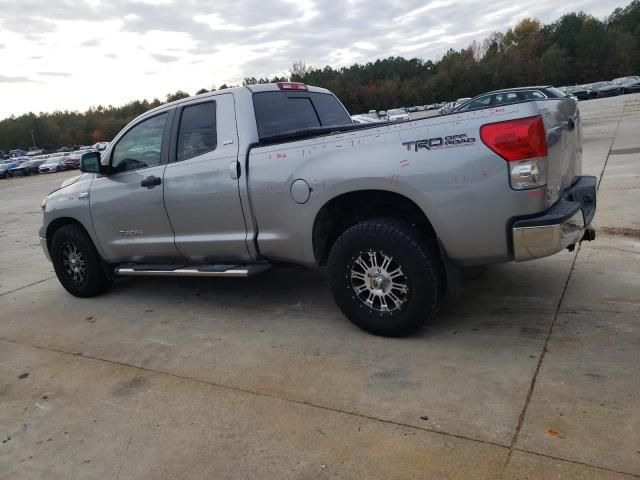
(555, 93)
(482, 102)
(278, 113)
(533, 95)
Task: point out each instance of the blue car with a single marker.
(6, 166)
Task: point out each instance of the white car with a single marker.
(100, 146)
(447, 107)
(35, 152)
(364, 119)
(51, 166)
(397, 114)
(460, 101)
(55, 163)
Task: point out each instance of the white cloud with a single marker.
(71, 54)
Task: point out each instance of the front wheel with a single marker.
(385, 277)
(77, 263)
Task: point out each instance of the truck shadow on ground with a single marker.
(521, 294)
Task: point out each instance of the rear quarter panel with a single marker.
(463, 188)
(564, 138)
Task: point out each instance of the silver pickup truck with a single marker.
(230, 182)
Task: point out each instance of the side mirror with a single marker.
(90, 163)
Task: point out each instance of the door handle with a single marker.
(234, 170)
(150, 181)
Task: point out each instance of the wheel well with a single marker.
(350, 208)
(55, 225)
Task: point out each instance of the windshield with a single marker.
(600, 84)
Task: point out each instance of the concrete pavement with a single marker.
(533, 373)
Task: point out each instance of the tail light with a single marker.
(292, 86)
(523, 144)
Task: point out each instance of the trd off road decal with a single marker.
(437, 143)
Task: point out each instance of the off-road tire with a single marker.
(95, 280)
(418, 256)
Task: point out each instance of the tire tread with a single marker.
(420, 247)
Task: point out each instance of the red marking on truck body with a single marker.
(536, 194)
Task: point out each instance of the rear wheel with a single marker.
(385, 277)
(77, 263)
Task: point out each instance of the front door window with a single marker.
(140, 147)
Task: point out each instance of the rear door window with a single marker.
(197, 133)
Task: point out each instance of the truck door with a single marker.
(127, 210)
(201, 182)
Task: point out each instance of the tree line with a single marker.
(576, 49)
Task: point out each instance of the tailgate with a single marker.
(564, 137)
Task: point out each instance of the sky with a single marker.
(73, 54)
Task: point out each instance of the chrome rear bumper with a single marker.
(542, 241)
(562, 226)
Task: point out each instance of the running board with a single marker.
(193, 270)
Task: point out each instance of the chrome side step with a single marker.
(192, 270)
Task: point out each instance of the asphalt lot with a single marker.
(533, 374)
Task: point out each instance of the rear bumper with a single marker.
(563, 225)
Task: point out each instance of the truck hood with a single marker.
(67, 182)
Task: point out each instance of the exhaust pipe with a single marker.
(589, 235)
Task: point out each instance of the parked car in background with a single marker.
(510, 95)
(34, 152)
(461, 101)
(628, 84)
(364, 119)
(603, 89)
(447, 108)
(382, 114)
(577, 91)
(100, 146)
(6, 166)
(54, 164)
(30, 167)
(72, 161)
(397, 114)
(17, 153)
